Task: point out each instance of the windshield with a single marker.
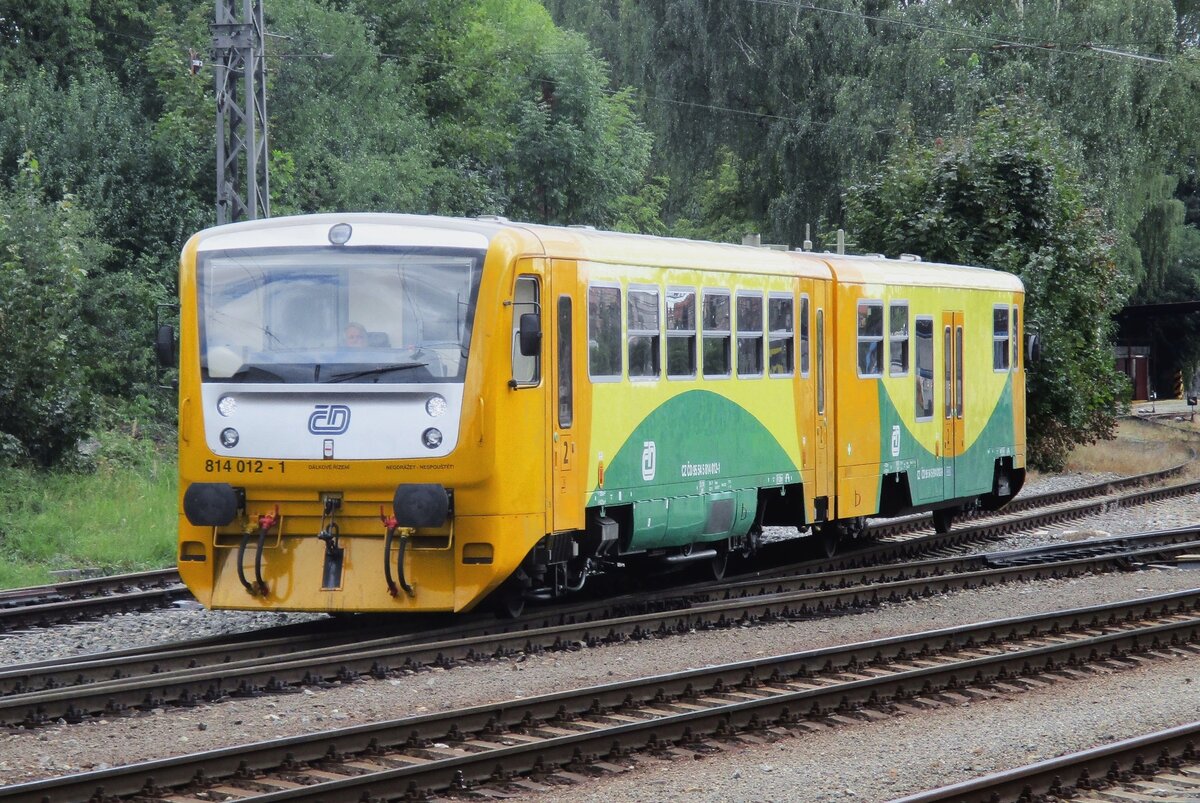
(338, 315)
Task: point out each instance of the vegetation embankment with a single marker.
(119, 516)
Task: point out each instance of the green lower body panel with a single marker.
(682, 520)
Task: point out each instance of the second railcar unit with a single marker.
(411, 413)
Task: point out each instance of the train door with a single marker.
(953, 431)
(566, 492)
(824, 402)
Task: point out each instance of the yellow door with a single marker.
(953, 431)
(564, 330)
(822, 360)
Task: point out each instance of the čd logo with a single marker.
(329, 419)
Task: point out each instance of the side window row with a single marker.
(1005, 340)
(732, 325)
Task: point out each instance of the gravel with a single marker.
(864, 761)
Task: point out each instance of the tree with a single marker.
(46, 249)
(1009, 197)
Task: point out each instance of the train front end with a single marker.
(329, 388)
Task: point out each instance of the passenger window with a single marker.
(804, 335)
(526, 370)
(1016, 341)
(750, 335)
(870, 338)
(681, 332)
(924, 375)
(643, 333)
(716, 334)
(898, 338)
(1000, 338)
(604, 332)
(782, 327)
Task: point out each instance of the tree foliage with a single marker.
(46, 249)
(456, 107)
(1008, 197)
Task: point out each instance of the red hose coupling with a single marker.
(388, 521)
(267, 520)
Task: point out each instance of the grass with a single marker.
(1138, 448)
(119, 516)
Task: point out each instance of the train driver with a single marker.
(355, 336)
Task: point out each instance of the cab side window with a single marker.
(526, 369)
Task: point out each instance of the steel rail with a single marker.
(272, 672)
(227, 649)
(42, 606)
(1072, 776)
(415, 755)
(87, 586)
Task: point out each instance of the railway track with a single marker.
(1157, 766)
(571, 734)
(111, 684)
(60, 603)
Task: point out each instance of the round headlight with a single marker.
(226, 405)
(339, 234)
(229, 437)
(435, 406)
(432, 438)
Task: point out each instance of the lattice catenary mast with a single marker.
(243, 188)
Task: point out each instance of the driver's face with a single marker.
(356, 337)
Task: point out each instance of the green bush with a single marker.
(45, 252)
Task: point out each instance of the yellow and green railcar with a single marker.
(409, 413)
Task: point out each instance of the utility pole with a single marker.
(243, 189)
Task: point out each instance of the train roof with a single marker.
(568, 242)
(586, 243)
(876, 269)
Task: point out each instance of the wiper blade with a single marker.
(382, 369)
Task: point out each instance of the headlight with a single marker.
(339, 233)
(432, 438)
(230, 437)
(227, 405)
(435, 406)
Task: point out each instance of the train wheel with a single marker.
(825, 538)
(719, 564)
(508, 601)
(943, 520)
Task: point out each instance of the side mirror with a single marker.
(530, 334)
(1033, 347)
(164, 345)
